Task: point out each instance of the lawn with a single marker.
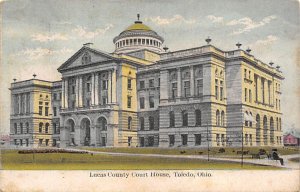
(12, 160)
(229, 152)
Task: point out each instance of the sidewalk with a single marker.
(287, 164)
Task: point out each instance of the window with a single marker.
(40, 110)
(218, 118)
(47, 128)
(129, 141)
(184, 139)
(216, 89)
(54, 128)
(16, 128)
(158, 82)
(129, 122)
(27, 127)
(222, 118)
(174, 90)
(172, 119)
(197, 139)
(142, 141)
(171, 140)
(151, 83)
(198, 117)
(128, 101)
(46, 111)
(15, 141)
(184, 118)
(104, 85)
(250, 122)
(129, 83)
(21, 142)
(151, 123)
(88, 102)
(245, 73)
(88, 87)
(187, 92)
(47, 142)
(104, 100)
(249, 74)
(142, 84)
(218, 139)
(73, 104)
(246, 92)
(199, 87)
(246, 118)
(250, 95)
(54, 111)
(40, 127)
(40, 142)
(54, 96)
(27, 142)
(142, 103)
(73, 89)
(151, 101)
(142, 123)
(151, 141)
(21, 128)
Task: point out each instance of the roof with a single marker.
(138, 25)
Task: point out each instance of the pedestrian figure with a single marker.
(276, 156)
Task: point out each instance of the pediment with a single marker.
(85, 56)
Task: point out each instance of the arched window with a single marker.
(279, 124)
(246, 118)
(47, 128)
(198, 117)
(129, 122)
(216, 72)
(151, 123)
(271, 123)
(21, 128)
(54, 128)
(222, 118)
(185, 119)
(27, 127)
(251, 119)
(257, 121)
(218, 118)
(72, 126)
(172, 119)
(40, 127)
(142, 123)
(265, 122)
(16, 128)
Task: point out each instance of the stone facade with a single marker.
(141, 96)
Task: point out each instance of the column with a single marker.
(63, 94)
(164, 83)
(192, 81)
(76, 91)
(109, 90)
(66, 93)
(259, 89)
(96, 89)
(20, 106)
(93, 135)
(25, 103)
(114, 86)
(178, 82)
(93, 90)
(80, 91)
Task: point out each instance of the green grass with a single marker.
(11, 160)
(195, 151)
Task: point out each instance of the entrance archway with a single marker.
(70, 128)
(85, 136)
(101, 131)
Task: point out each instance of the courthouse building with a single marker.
(144, 95)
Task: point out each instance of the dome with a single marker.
(136, 37)
(138, 25)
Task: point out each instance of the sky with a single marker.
(37, 36)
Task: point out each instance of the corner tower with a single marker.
(136, 37)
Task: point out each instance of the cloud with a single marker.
(247, 24)
(84, 33)
(215, 19)
(45, 38)
(37, 53)
(266, 42)
(168, 21)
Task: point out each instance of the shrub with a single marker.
(221, 150)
